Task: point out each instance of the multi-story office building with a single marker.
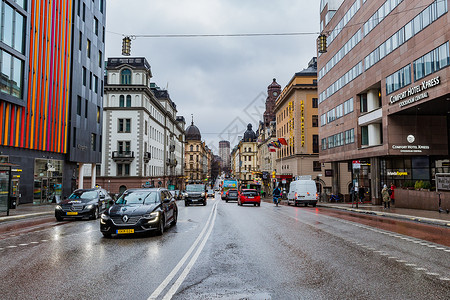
(297, 123)
(384, 91)
(50, 92)
(144, 137)
(224, 153)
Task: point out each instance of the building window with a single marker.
(128, 101)
(88, 48)
(79, 105)
(350, 136)
(315, 121)
(364, 136)
(348, 106)
(121, 101)
(84, 12)
(191, 148)
(100, 5)
(125, 76)
(12, 75)
(74, 137)
(86, 104)
(124, 126)
(398, 80)
(315, 102)
(324, 144)
(123, 146)
(316, 166)
(98, 114)
(80, 41)
(146, 130)
(84, 76)
(100, 59)
(95, 26)
(315, 143)
(191, 157)
(431, 62)
(95, 84)
(93, 142)
(90, 81)
(363, 102)
(123, 169)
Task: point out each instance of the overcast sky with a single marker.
(222, 81)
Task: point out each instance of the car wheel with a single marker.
(295, 204)
(254, 204)
(204, 203)
(259, 204)
(306, 204)
(175, 218)
(288, 203)
(58, 218)
(106, 235)
(160, 230)
(314, 204)
(226, 201)
(95, 214)
(186, 204)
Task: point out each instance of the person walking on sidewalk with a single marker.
(392, 193)
(385, 196)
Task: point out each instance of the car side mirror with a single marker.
(167, 200)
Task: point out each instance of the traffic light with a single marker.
(322, 43)
(126, 46)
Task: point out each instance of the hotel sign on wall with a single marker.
(415, 93)
(411, 148)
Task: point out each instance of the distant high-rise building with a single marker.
(224, 153)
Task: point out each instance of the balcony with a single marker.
(147, 157)
(123, 156)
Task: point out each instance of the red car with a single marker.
(248, 196)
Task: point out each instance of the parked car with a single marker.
(83, 203)
(211, 193)
(232, 195)
(195, 194)
(138, 211)
(302, 192)
(249, 196)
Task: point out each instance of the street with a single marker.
(224, 251)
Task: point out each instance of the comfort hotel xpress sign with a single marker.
(415, 93)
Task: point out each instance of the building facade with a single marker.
(244, 158)
(224, 153)
(383, 90)
(144, 137)
(267, 156)
(298, 124)
(196, 156)
(51, 92)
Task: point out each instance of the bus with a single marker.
(227, 185)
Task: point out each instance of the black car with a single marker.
(232, 195)
(83, 203)
(195, 194)
(138, 211)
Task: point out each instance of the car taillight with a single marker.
(295, 195)
(317, 196)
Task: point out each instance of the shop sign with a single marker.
(410, 148)
(416, 93)
(442, 181)
(397, 173)
(356, 165)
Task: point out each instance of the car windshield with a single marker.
(141, 197)
(89, 195)
(210, 191)
(232, 192)
(250, 193)
(195, 188)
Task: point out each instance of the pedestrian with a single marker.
(392, 193)
(385, 196)
(361, 194)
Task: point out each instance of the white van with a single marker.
(303, 192)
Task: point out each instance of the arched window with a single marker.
(125, 76)
(197, 147)
(128, 101)
(122, 101)
(192, 148)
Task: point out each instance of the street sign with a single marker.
(356, 164)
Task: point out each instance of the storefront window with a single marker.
(47, 181)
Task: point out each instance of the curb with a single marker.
(25, 216)
(391, 215)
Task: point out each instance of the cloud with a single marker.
(216, 78)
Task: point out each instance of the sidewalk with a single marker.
(26, 211)
(417, 215)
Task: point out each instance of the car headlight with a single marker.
(89, 207)
(104, 217)
(203, 194)
(58, 207)
(154, 217)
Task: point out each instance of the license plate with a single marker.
(251, 197)
(124, 231)
(71, 213)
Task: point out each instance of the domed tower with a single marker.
(273, 91)
(193, 133)
(249, 135)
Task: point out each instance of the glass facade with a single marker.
(431, 62)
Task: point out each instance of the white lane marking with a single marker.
(177, 268)
(23, 244)
(188, 268)
(445, 278)
(44, 240)
(432, 274)
(411, 265)
(421, 269)
(11, 247)
(1, 248)
(34, 242)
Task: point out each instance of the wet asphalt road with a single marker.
(224, 251)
